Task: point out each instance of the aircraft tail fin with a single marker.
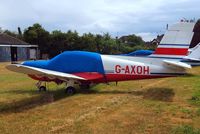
(176, 41)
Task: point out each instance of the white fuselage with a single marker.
(127, 65)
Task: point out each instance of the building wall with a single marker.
(5, 54)
(23, 53)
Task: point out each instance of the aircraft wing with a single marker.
(43, 72)
(176, 64)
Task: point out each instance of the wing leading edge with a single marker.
(44, 72)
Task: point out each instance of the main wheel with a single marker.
(42, 88)
(70, 90)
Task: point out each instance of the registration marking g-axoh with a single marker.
(132, 69)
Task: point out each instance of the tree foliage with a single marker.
(36, 34)
(56, 42)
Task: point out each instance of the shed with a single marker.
(13, 49)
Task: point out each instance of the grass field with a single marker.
(170, 105)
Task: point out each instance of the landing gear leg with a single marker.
(41, 87)
(70, 90)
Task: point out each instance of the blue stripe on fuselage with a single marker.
(174, 44)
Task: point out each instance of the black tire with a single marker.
(70, 90)
(42, 88)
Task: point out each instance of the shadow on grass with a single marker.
(160, 94)
(38, 99)
(189, 75)
(90, 91)
(43, 98)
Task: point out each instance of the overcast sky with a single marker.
(146, 18)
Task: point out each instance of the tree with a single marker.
(132, 40)
(72, 41)
(36, 34)
(13, 34)
(88, 42)
(57, 41)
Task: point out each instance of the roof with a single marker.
(7, 40)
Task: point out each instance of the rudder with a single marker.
(176, 41)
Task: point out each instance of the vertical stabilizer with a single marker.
(176, 41)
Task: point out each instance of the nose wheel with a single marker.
(41, 87)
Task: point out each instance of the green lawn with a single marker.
(170, 105)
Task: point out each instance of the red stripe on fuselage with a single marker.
(171, 51)
(125, 77)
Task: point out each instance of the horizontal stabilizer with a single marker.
(191, 58)
(38, 71)
(177, 64)
(195, 53)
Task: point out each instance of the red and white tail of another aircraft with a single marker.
(169, 59)
(176, 41)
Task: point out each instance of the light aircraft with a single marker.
(86, 68)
